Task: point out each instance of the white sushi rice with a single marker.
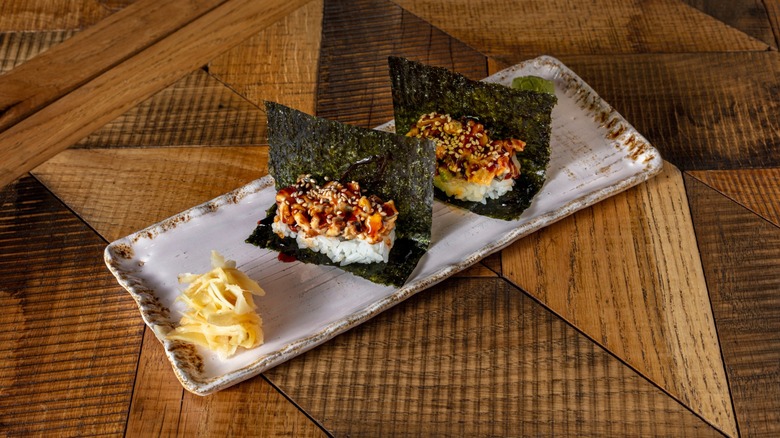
(341, 251)
(467, 191)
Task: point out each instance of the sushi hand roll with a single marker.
(355, 198)
(471, 166)
(492, 141)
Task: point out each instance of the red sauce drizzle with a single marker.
(286, 258)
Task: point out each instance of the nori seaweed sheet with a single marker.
(506, 112)
(388, 165)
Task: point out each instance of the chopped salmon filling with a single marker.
(465, 150)
(334, 210)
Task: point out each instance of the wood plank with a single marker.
(59, 125)
(161, 407)
(66, 66)
(704, 111)
(196, 110)
(773, 12)
(116, 5)
(749, 16)
(627, 273)
(740, 253)
(511, 31)
(155, 409)
(476, 357)
(70, 334)
(35, 15)
(254, 409)
(493, 262)
(490, 266)
(758, 190)
(279, 63)
(354, 84)
(18, 47)
(102, 185)
(478, 270)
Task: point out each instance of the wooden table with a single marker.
(654, 312)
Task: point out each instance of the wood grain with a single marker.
(354, 82)
(493, 262)
(741, 257)
(627, 273)
(476, 357)
(155, 409)
(490, 266)
(749, 16)
(79, 59)
(278, 64)
(70, 334)
(120, 191)
(18, 47)
(35, 15)
(773, 13)
(755, 189)
(161, 407)
(703, 111)
(57, 126)
(254, 409)
(511, 31)
(197, 110)
(478, 270)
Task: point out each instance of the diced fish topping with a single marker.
(465, 150)
(334, 210)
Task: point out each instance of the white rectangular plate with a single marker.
(595, 154)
